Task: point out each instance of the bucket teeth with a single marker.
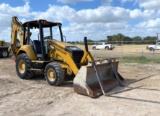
(86, 81)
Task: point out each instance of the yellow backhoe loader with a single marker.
(58, 59)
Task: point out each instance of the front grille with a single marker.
(77, 54)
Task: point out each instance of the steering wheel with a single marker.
(48, 37)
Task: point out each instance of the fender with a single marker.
(28, 50)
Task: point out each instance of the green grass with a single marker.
(139, 59)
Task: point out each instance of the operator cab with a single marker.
(40, 26)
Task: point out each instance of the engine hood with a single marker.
(59, 43)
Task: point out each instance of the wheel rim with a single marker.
(4, 53)
(21, 66)
(51, 74)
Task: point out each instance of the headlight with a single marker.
(52, 47)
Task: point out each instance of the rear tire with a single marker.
(23, 66)
(94, 48)
(54, 74)
(106, 48)
(4, 53)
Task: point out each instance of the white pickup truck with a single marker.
(153, 47)
(103, 45)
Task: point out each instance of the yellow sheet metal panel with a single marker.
(60, 53)
(2, 43)
(28, 50)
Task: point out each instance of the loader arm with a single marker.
(87, 57)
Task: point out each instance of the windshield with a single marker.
(53, 32)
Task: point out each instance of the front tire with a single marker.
(151, 49)
(54, 74)
(4, 53)
(23, 66)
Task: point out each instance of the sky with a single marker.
(95, 19)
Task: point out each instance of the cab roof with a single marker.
(35, 23)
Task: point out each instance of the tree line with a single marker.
(122, 39)
(119, 38)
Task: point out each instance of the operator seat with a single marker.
(37, 48)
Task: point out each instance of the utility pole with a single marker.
(157, 36)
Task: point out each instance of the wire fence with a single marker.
(123, 49)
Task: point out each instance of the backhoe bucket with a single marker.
(87, 83)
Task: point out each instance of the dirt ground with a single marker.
(139, 97)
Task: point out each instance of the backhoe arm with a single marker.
(17, 28)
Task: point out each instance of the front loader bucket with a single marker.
(86, 81)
